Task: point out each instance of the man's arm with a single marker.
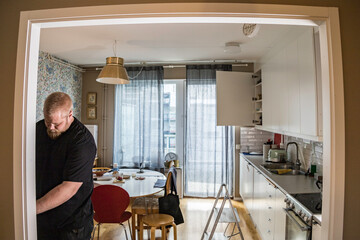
(57, 196)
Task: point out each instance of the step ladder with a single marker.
(222, 215)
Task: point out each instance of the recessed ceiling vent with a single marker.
(250, 30)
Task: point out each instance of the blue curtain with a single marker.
(209, 148)
(138, 120)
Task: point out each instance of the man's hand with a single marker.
(57, 196)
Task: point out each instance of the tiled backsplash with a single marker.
(305, 151)
(252, 140)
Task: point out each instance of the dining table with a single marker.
(137, 185)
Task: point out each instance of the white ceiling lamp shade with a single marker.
(250, 30)
(114, 72)
(232, 47)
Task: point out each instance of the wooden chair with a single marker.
(146, 205)
(157, 221)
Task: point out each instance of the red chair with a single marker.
(110, 203)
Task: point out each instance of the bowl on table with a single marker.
(100, 171)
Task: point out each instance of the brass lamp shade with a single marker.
(114, 72)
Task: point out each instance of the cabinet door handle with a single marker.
(270, 183)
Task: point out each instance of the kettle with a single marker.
(277, 155)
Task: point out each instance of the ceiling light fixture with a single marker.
(114, 71)
(232, 47)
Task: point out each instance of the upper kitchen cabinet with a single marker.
(290, 88)
(234, 94)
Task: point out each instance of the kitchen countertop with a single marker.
(288, 184)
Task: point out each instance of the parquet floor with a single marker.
(196, 212)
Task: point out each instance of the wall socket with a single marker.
(237, 146)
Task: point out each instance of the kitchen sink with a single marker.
(282, 168)
(278, 165)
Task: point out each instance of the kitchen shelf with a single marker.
(257, 99)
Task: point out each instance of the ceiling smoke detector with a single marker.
(232, 47)
(250, 30)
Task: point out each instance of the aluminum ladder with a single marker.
(222, 215)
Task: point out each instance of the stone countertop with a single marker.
(286, 183)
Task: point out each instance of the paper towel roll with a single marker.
(266, 148)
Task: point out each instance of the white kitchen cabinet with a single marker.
(293, 84)
(268, 219)
(260, 205)
(246, 186)
(234, 94)
(290, 89)
(264, 201)
(257, 196)
(308, 88)
(280, 215)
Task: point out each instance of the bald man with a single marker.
(65, 152)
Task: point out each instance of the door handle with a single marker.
(303, 228)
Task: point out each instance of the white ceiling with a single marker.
(89, 46)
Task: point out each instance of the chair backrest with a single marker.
(170, 184)
(109, 201)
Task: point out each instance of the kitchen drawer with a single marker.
(269, 234)
(267, 223)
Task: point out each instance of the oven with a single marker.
(296, 228)
(299, 210)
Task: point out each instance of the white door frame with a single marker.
(31, 23)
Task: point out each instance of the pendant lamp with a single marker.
(114, 72)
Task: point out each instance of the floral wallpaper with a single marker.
(57, 77)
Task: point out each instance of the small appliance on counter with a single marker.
(277, 155)
(266, 148)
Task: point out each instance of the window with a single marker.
(173, 117)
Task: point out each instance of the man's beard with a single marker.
(53, 134)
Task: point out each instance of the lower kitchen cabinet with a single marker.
(280, 220)
(264, 201)
(246, 186)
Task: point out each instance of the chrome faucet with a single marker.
(297, 163)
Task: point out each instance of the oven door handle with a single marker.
(303, 228)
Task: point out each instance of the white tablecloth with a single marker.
(135, 188)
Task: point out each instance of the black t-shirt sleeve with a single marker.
(80, 159)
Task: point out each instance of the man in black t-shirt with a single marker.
(65, 152)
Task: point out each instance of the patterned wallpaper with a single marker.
(56, 77)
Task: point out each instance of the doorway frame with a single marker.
(31, 23)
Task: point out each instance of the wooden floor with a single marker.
(196, 212)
